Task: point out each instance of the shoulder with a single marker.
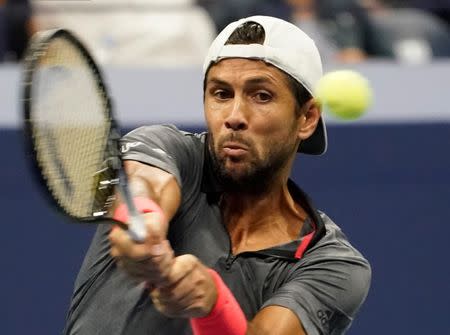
(159, 134)
(177, 152)
(335, 245)
(328, 285)
(336, 254)
(337, 272)
(162, 143)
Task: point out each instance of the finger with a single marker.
(114, 252)
(156, 227)
(126, 247)
(161, 265)
(155, 235)
(117, 235)
(188, 277)
(179, 307)
(176, 299)
(182, 266)
(154, 269)
(179, 293)
(140, 272)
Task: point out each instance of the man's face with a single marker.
(253, 127)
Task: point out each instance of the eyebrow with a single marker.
(252, 81)
(217, 82)
(259, 80)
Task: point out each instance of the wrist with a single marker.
(219, 299)
(226, 316)
(143, 205)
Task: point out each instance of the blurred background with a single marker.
(385, 178)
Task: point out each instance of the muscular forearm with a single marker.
(227, 318)
(254, 329)
(156, 184)
(157, 197)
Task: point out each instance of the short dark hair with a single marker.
(251, 32)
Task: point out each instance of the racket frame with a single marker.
(37, 48)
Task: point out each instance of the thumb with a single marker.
(157, 227)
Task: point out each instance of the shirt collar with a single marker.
(313, 228)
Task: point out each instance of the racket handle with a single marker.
(136, 226)
(136, 229)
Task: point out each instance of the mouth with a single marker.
(234, 149)
(235, 145)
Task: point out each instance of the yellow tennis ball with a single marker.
(346, 94)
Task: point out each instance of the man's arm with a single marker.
(162, 187)
(197, 292)
(151, 260)
(156, 184)
(336, 285)
(275, 320)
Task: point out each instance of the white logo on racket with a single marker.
(127, 146)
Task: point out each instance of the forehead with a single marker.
(240, 69)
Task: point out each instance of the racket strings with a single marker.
(70, 129)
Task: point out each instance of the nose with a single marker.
(236, 119)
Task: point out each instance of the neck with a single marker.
(258, 221)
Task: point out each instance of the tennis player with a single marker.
(234, 246)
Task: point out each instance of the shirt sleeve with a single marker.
(166, 147)
(327, 287)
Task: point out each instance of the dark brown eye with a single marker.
(222, 94)
(263, 96)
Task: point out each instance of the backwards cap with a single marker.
(287, 48)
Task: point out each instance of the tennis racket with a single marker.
(70, 131)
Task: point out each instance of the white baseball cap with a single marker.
(288, 48)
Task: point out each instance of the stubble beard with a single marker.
(257, 174)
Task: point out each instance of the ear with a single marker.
(308, 119)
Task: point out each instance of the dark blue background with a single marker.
(387, 186)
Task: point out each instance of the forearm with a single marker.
(227, 317)
(253, 329)
(157, 196)
(155, 184)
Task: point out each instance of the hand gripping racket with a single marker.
(70, 131)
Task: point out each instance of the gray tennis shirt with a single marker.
(319, 276)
